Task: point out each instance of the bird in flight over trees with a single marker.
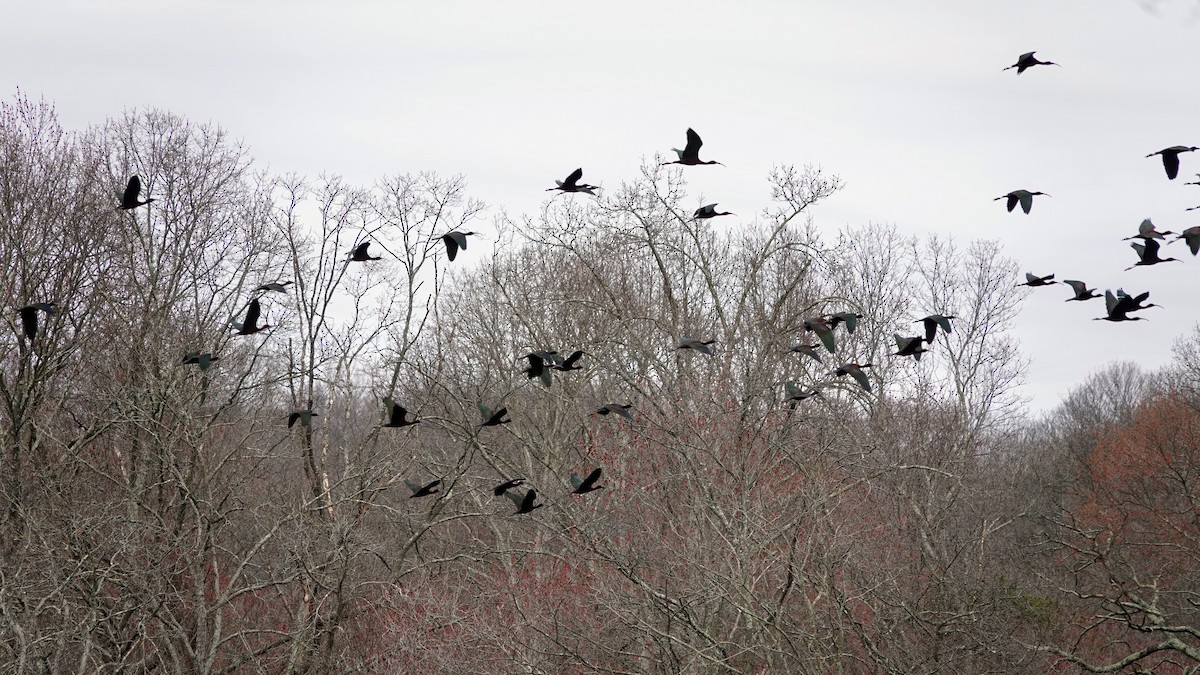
(848, 318)
(360, 253)
(506, 486)
(616, 409)
(932, 323)
(419, 490)
(1147, 231)
(795, 393)
(1134, 303)
(570, 363)
(29, 317)
(824, 331)
(130, 200)
(397, 414)
(588, 484)
(1118, 308)
(524, 504)
(709, 211)
(1027, 61)
(1082, 292)
(1170, 158)
(1148, 254)
(697, 345)
(249, 325)
(910, 346)
(1033, 281)
(304, 416)
(277, 286)
(1022, 197)
(855, 370)
(454, 241)
(572, 184)
(204, 360)
(537, 367)
(690, 154)
(492, 418)
(806, 349)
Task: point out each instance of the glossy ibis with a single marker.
(1022, 197)
(1170, 158)
(1082, 292)
(360, 253)
(1027, 61)
(586, 485)
(690, 154)
(130, 200)
(419, 490)
(572, 184)
(933, 322)
(1148, 254)
(249, 325)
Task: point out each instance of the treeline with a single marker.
(159, 516)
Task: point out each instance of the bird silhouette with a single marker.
(490, 418)
(807, 350)
(204, 360)
(572, 184)
(848, 318)
(855, 370)
(304, 416)
(397, 414)
(1148, 254)
(1170, 158)
(454, 241)
(524, 504)
(130, 200)
(1133, 303)
(249, 325)
(933, 322)
(616, 409)
(1027, 61)
(1082, 292)
(570, 363)
(1146, 230)
(690, 154)
(419, 490)
(506, 486)
(360, 253)
(586, 485)
(697, 345)
(910, 346)
(1033, 281)
(1118, 309)
(278, 286)
(29, 317)
(795, 393)
(709, 211)
(1022, 197)
(1191, 236)
(824, 331)
(537, 367)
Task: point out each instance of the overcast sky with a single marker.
(906, 101)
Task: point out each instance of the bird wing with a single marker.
(1031, 278)
(691, 151)
(1078, 286)
(572, 359)
(1140, 248)
(252, 312)
(546, 377)
(451, 246)
(576, 481)
(1026, 202)
(1110, 301)
(414, 487)
(484, 411)
(860, 377)
(1193, 242)
(823, 331)
(1012, 202)
(527, 503)
(430, 486)
(1171, 164)
(623, 411)
(1151, 250)
(931, 325)
(360, 251)
(944, 322)
(851, 320)
(1146, 227)
(292, 419)
(1026, 56)
(573, 179)
(901, 343)
(536, 365)
(591, 478)
(132, 190)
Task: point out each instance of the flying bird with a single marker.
(1033, 281)
(1134, 303)
(1191, 237)
(572, 184)
(397, 414)
(1082, 292)
(1148, 254)
(506, 486)
(278, 286)
(932, 323)
(616, 409)
(910, 346)
(1170, 158)
(795, 393)
(130, 199)
(304, 416)
(419, 490)
(1022, 197)
(855, 370)
(698, 345)
(537, 368)
(524, 504)
(29, 316)
(570, 363)
(1118, 309)
(203, 360)
(454, 241)
(709, 211)
(586, 485)
(690, 154)
(490, 418)
(1027, 61)
(360, 253)
(807, 350)
(1147, 231)
(249, 325)
(848, 318)
(824, 331)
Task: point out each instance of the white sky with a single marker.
(906, 101)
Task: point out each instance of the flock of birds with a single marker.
(541, 364)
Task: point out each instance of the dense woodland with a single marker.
(157, 516)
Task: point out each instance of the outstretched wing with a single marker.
(134, 188)
(691, 151)
(591, 479)
(451, 246)
(861, 378)
(252, 312)
(1171, 164)
(573, 180)
(1026, 202)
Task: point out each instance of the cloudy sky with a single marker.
(906, 101)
